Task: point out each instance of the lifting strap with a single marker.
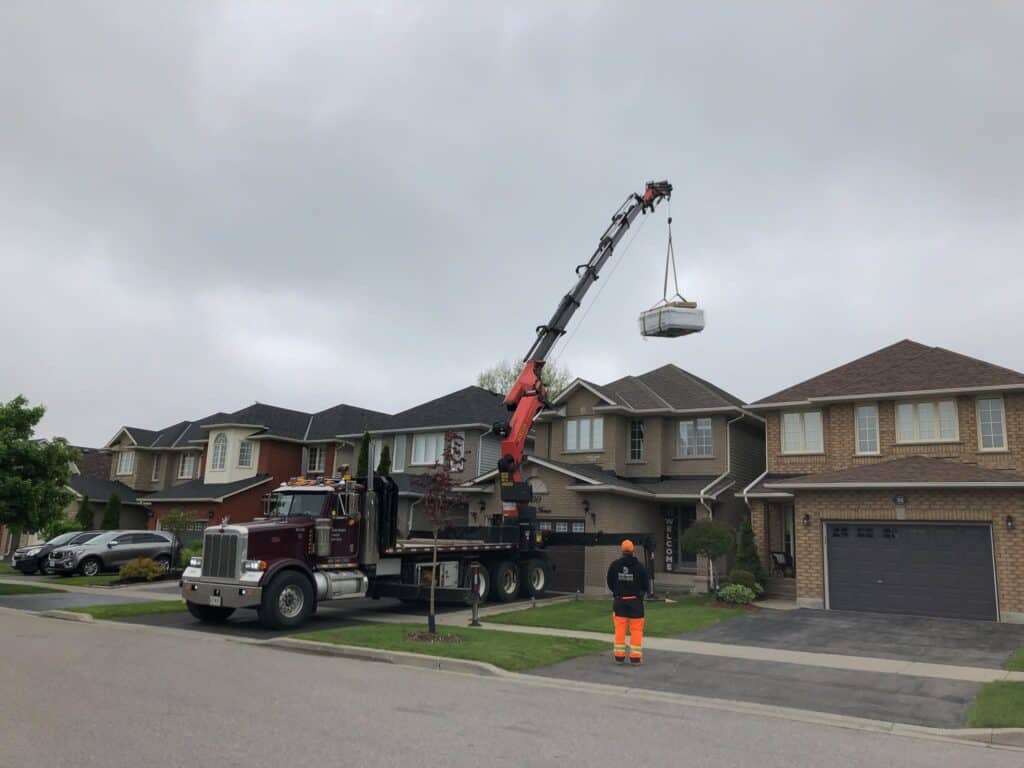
(677, 300)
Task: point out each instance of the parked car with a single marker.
(110, 550)
(32, 559)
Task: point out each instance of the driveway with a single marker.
(884, 636)
(49, 601)
(876, 696)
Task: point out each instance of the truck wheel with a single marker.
(535, 577)
(90, 566)
(287, 602)
(209, 614)
(505, 581)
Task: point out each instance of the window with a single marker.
(584, 434)
(865, 533)
(926, 422)
(157, 460)
(578, 526)
(398, 456)
(801, 432)
(220, 451)
(562, 526)
(867, 428)
(427, 448)
(636, 441)
(186, 466)
(545, 525)
(315, 459)
(695, 439)
(125, 462)
(991, 424)
(888, 533)
(840, 532)
(245, 454)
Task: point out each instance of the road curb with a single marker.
(403, 658)
(67, 616)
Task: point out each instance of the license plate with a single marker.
(215, 600)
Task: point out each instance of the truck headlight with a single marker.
(195, 562)
(254, 565)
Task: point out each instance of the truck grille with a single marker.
(221, 555)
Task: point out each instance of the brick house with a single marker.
(648, 454)
(895, 483)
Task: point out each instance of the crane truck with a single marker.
(329, 539)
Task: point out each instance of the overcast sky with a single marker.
(203, 205)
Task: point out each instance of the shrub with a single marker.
(112, 513)
(141, 569)
(187, 553)
(736, 594)
(746, 552)
(743, 578)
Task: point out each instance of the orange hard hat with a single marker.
(627, 545)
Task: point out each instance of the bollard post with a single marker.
(475, 581)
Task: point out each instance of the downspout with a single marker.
(712, 581)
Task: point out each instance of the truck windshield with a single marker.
(296, 504)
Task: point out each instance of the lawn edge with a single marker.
(68, 616)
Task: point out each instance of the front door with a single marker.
(677, 519)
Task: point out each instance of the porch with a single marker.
(776, 538)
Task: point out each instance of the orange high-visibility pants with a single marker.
(636, 638)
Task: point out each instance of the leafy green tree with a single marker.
(59, 526)
(363, 462)
(177, 522)
(84, 517)
(746, 552)
(712, 539)
(33, 473)
(384, 466)
(501, 377)
(112, 513)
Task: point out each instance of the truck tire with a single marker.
(505, 581)
(209, 614)
(535, 576)
(287, 602)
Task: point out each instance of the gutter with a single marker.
(858, 486)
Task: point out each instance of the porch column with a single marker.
(759, 522)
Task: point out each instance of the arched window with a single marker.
(540, 488)
(220, 451)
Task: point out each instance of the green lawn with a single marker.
(663, 619)
(999, 705)
(508, 650)
(7, 570)
(101, 580)
(130, 610)
(24, 589)
(1016, 662)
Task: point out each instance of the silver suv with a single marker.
(110, 550)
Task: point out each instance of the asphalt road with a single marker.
(118, 695)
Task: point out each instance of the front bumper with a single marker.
(231, 594)
(28, 563)
(62, 566)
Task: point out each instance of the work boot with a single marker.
(636, 662)
(620, 659)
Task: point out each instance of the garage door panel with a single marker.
(921, 569)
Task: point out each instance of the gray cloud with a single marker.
(210, 204)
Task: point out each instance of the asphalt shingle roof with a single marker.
(472, 405)
(906, 366)
(276, 421)
(142, 437)
(912, 469)
(668, 387)
(690, 485)
(197, 489)
(346, 420)
(99, 490)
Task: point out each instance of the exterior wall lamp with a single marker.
(586, 510)
(806, 520)
(1009, 521)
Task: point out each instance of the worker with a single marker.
(627, 580)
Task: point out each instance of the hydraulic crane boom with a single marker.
(528, 396)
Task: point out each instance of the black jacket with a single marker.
(627, 580)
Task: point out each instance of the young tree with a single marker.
(438, 498)
(177, 522)
(84, 516)
(746, 552)
(501, 377)
(33, 473)
(712, 539)
(112, 513)
(384, 466)
(363, 462)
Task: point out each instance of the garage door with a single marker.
(567, 562)
(928, 570)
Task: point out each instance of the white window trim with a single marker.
(977, 415)
(679, 456)
(398, 454)
(643, 442)
(856, 431)
(252, 453)
(575, 422)
(181, 466)
(214, 444)
(321, 457)
(917, 423)
(131, 463)
(155, 475)
(803, 434)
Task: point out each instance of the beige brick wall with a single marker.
(840, 439)
(991, 506)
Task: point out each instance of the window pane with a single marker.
(704, 441)
(867, 429)
(584, 427)
(904, 422)
(577, 527)
(927, 427)
(220, 451)
(636, 441)
(570, 435)
(687, 438)
(991, 422)
(561, 527)
(597, 436)
(245, 454)
(398, 459)
(792, 433)
(947, 420)
(812, 432)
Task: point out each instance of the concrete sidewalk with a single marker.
(750, 653)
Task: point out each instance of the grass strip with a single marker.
(131, 610)
(25, 589)
(999, 705)
(509, 650)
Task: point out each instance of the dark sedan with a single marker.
(33, 559)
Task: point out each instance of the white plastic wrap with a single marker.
(670, 321)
